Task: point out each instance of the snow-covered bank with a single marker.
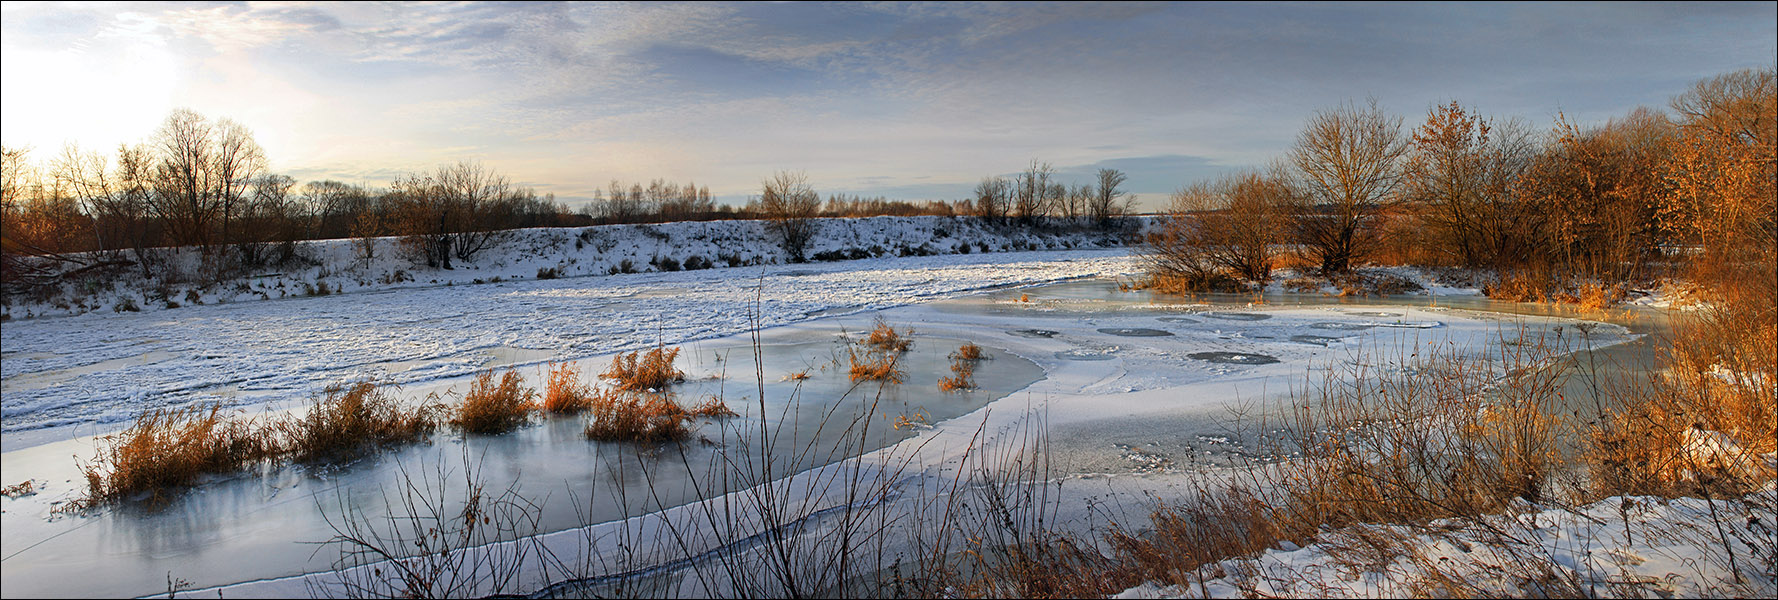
(326, 267)
(106, 367)
(1626, 547)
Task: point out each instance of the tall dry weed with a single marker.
(492, 408)
(644, 372)
(168, 449)
(351, 419)
(564, 393)
(1703, 424)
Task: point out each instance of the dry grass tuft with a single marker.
(712, 408)
(619, 416)
(963, 363)
(564, 393)
(1520, 286)
(349, 420)
(19, 490)
(886, 339)
(875, 365)
(1213, 526)
(638, 372)
(491, 408)
(169, 449)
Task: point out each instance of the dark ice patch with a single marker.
(1134, 332)
(1234, 358)
(1319, 340)
(1033, 333)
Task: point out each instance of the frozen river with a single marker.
(1128, 383)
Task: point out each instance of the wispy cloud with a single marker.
(917, 99)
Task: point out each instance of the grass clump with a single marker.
(19, 490)
(1705, 424)
(878, 356)
(564, 393)
(886, 339)
(639, 372)
(491, 408)
(169, 449)
(875, 365)
(352, 419)
(621, 416)
(963, 363)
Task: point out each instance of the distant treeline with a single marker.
(204, 183)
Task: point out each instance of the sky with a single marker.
(909, 101)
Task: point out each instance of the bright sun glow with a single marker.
(50, 97)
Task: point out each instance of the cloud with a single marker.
(912, 100)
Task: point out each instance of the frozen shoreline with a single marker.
(1101, 366)
(1075, 392)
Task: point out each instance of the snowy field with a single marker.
(1131, 390)
(104, 368)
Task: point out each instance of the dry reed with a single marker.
(639, 372)
(564, 393)
(349, 420)
(619, 416)
(491, 408)
(166, 449)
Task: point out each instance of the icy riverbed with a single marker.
(1126, 383)
(99, 369)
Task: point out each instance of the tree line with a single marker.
(203, 183)
(1608, 203)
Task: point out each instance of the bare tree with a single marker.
(1213, 230)
(184, 199)
(993, 197)
(790, 205)
(236, 160)
(1725, 171)
(457, 211)
(1031, 197)
(1109, 200)
(203, 173)
(1349, 162)
(479, 206)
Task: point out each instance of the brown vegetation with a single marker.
(352, 419)
(618, 416)
(168, 449)
(564, 393)
(963, 364)
(884, 338)
(20, 489)
(639, 372)
(491, 408)
(874, 365)
(1219, 233)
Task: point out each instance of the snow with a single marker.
(104, 367)
(1624, 546)
(1102, 391)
